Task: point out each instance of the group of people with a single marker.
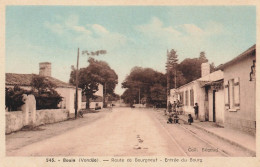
(173, 118)
(174, 107)
(173, 113)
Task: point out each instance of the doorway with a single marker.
(206, 104)
(214, 105)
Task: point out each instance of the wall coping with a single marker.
(9, 112)
(53, 110)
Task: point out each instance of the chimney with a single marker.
(45, 69)
(205, 69)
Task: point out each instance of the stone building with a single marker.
(226, 96)
(97, 102)
(207, 91)
(240, 91)
(66, 90)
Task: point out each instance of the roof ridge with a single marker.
(20, 79)
(239, 57)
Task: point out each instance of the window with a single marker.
(191, 97)
(232, 94)
(186, 98)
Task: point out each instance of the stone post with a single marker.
(29, 110)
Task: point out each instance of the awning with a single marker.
(215, 84)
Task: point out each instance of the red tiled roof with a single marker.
(25, 80)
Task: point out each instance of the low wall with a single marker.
(14, 121)
(51, 116)
(140, 105)
(92, 105)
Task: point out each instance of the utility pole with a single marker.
(168, 80)
(99, 52)
(139, 96)
(175, 78)
(105, 93)
(77, 84)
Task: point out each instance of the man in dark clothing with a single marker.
(190, 119)
(169, 107)
(196, 110)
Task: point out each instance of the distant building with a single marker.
(240, 91)
(97, 102)
(66, 90)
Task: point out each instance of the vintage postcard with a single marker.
(129, 84)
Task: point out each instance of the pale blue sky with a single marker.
(132, 35)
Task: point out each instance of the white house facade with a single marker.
(66, 90)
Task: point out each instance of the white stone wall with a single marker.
(14, 121)
(100, 91)
(244, 117)
(205, 107)
(68, 95)
(92, 105)
(51, 116)
(187, 109)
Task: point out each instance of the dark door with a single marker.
(206, 104)
(214, 105)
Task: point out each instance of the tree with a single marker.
(139, 82)
(45, 94)
(113, 97)
(14, 98)
(191, 68)
(158, 93)
(202, 57)
(97, 72)
(40, 84)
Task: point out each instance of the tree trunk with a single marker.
(87, 103)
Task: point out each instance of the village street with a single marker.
(118, 132)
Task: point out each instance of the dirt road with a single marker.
(120, 132)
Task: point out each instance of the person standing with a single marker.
(174, 106)
(196, 110)
(169, 107)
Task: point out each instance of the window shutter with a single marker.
(226, 94)
(236, 92)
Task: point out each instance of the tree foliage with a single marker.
(97, 72)
(44, 91)
(152, 84)
(45, 94)
(191, 68)
(146, 82)
(14, 98)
